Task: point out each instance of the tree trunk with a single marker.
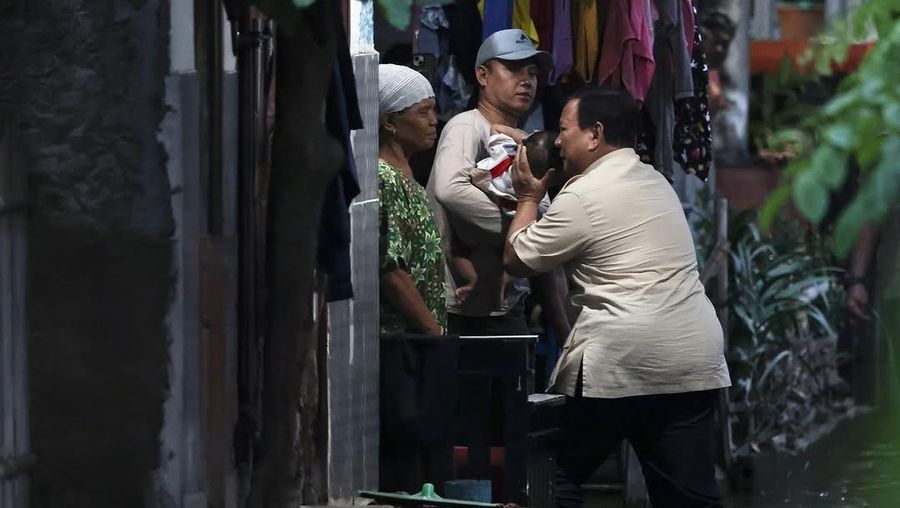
(304, 160)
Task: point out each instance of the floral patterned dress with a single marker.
(409, 239)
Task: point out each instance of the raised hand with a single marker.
(529, 188)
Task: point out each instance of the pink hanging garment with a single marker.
(687, 10)
(626, 55)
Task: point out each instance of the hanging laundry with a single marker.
(341, 116)
(496, 15)
(562, 40)
(626, 57)
(522, 20)
(465, 36)
(670, 29)
(542, 16)
(689, 16)
(672, 80)
(693, 131)
(452, 91)
(432, 38)
(586, 39)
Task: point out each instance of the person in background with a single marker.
(645, 359)
(410, 247)
(507, 67)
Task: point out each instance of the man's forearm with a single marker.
(469, 207)
(861, 255)
(526, 213)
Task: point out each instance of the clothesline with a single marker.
(650, 47)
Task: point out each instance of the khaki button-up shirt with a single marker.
(645, 324)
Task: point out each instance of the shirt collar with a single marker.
(615, 154)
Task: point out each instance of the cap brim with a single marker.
(543, 59)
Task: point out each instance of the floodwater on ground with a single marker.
(858, 467)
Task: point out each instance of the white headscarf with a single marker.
(400, 87)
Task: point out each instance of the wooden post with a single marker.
(304, 160)
(721, 300)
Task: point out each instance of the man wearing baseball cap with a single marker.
(507, 67)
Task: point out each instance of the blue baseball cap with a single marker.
(512, 45)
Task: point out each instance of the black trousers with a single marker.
(511, 323)
(672, 436)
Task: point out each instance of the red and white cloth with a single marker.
(501, 152)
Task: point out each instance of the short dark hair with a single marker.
(542, 152)
(614, 108)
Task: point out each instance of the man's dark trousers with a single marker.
(511, 323)
(671, 434)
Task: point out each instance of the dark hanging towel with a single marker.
(465, 39)
(542, 15)
(342, 116)
(693, 130)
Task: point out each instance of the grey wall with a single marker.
(353, 340)
(87, 82)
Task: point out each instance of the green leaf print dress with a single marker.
(409, 239)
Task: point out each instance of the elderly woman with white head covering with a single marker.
(411, 258)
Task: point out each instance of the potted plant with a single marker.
(800, 20)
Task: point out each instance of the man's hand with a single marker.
(517, 134)
(857, 300)
(528, 188)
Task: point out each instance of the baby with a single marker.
(492, 176)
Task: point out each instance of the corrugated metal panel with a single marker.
(14, 447)
(353, 344)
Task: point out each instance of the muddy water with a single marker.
(860, 468)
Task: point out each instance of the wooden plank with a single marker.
(217, 375)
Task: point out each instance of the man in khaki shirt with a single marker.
(644, 360)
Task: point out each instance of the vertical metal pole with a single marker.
(252, 47)
(208, 43)
(721, 298)
(14, 438)
(215, 217)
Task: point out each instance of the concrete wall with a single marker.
(87, 82)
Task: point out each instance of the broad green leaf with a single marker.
(840, 135)
(892, 115)
(775, 201)
(830, 165)
(810, 196)
(873, 88)
(841, 102)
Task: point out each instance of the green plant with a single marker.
(782, 341)
(861, 122)
(779, 104)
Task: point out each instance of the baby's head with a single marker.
(542, 152)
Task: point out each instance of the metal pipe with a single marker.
(216, 213)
